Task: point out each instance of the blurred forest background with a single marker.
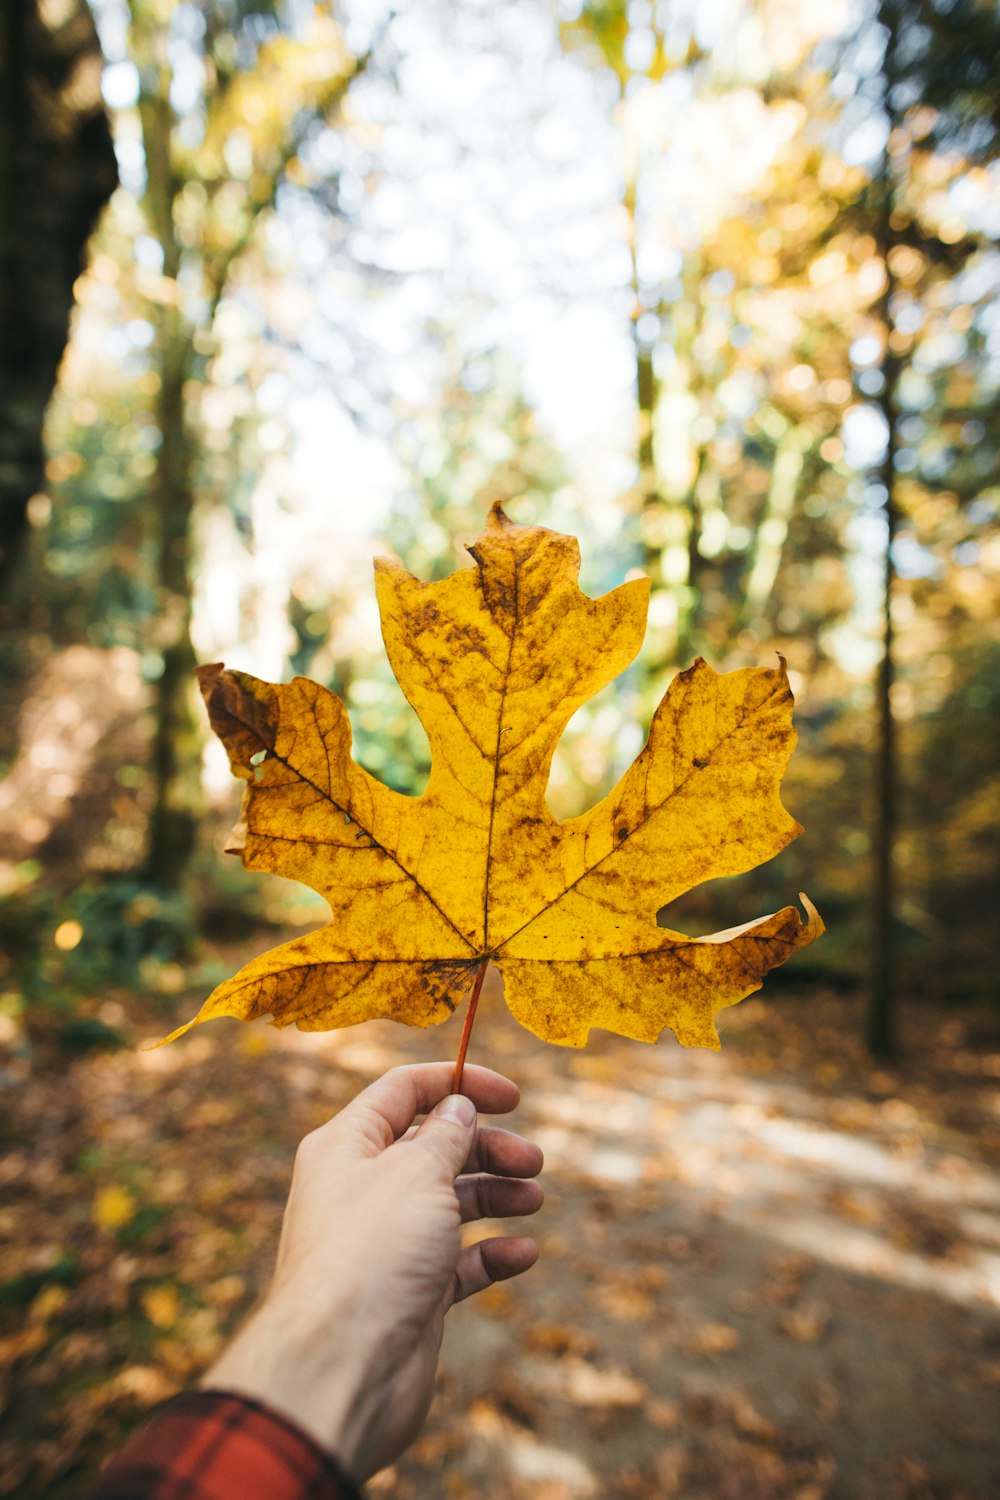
(711, 285)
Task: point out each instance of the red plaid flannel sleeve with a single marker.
(213, 1445)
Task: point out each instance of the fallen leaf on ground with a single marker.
(557, 1338)
(114, 1206)
(162, 1305)
(825, 1398)
(666, 1415)
(713, 1338)
(585, 1384)
(625, 1303)
(806, 1324)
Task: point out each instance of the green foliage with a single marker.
(952, 48)
(21, 1291)
(953, 813)
(125, 923)
(603, 26)
(66, 954)
(95, 581)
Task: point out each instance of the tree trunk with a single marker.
(772, 528)
(881, 1028)
(57, 170)
(651, 503)
(176, 758)
(208, 256)
(667, 524)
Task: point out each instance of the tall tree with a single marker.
(881, 1009)
(57, 169)
(211, 176)
(939, 113)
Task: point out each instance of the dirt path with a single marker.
(766, 1273)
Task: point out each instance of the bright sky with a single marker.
(492, 216)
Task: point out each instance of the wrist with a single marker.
(310, 1368)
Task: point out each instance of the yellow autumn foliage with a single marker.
(495, 660)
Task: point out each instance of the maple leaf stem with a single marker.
(470, 1016)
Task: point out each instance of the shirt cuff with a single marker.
(216, 1445)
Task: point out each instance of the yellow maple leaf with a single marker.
(425, 890)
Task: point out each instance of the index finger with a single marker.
(387, 1108)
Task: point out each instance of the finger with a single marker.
(381, 1113)
(447, 1134)
(479, 1266)
(497, 1197)
(504, 1154)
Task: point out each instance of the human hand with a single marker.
(346, 1341)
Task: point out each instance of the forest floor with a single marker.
(769, 1272)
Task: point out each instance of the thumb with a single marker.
(448, 1132)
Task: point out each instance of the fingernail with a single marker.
(456, 1107)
